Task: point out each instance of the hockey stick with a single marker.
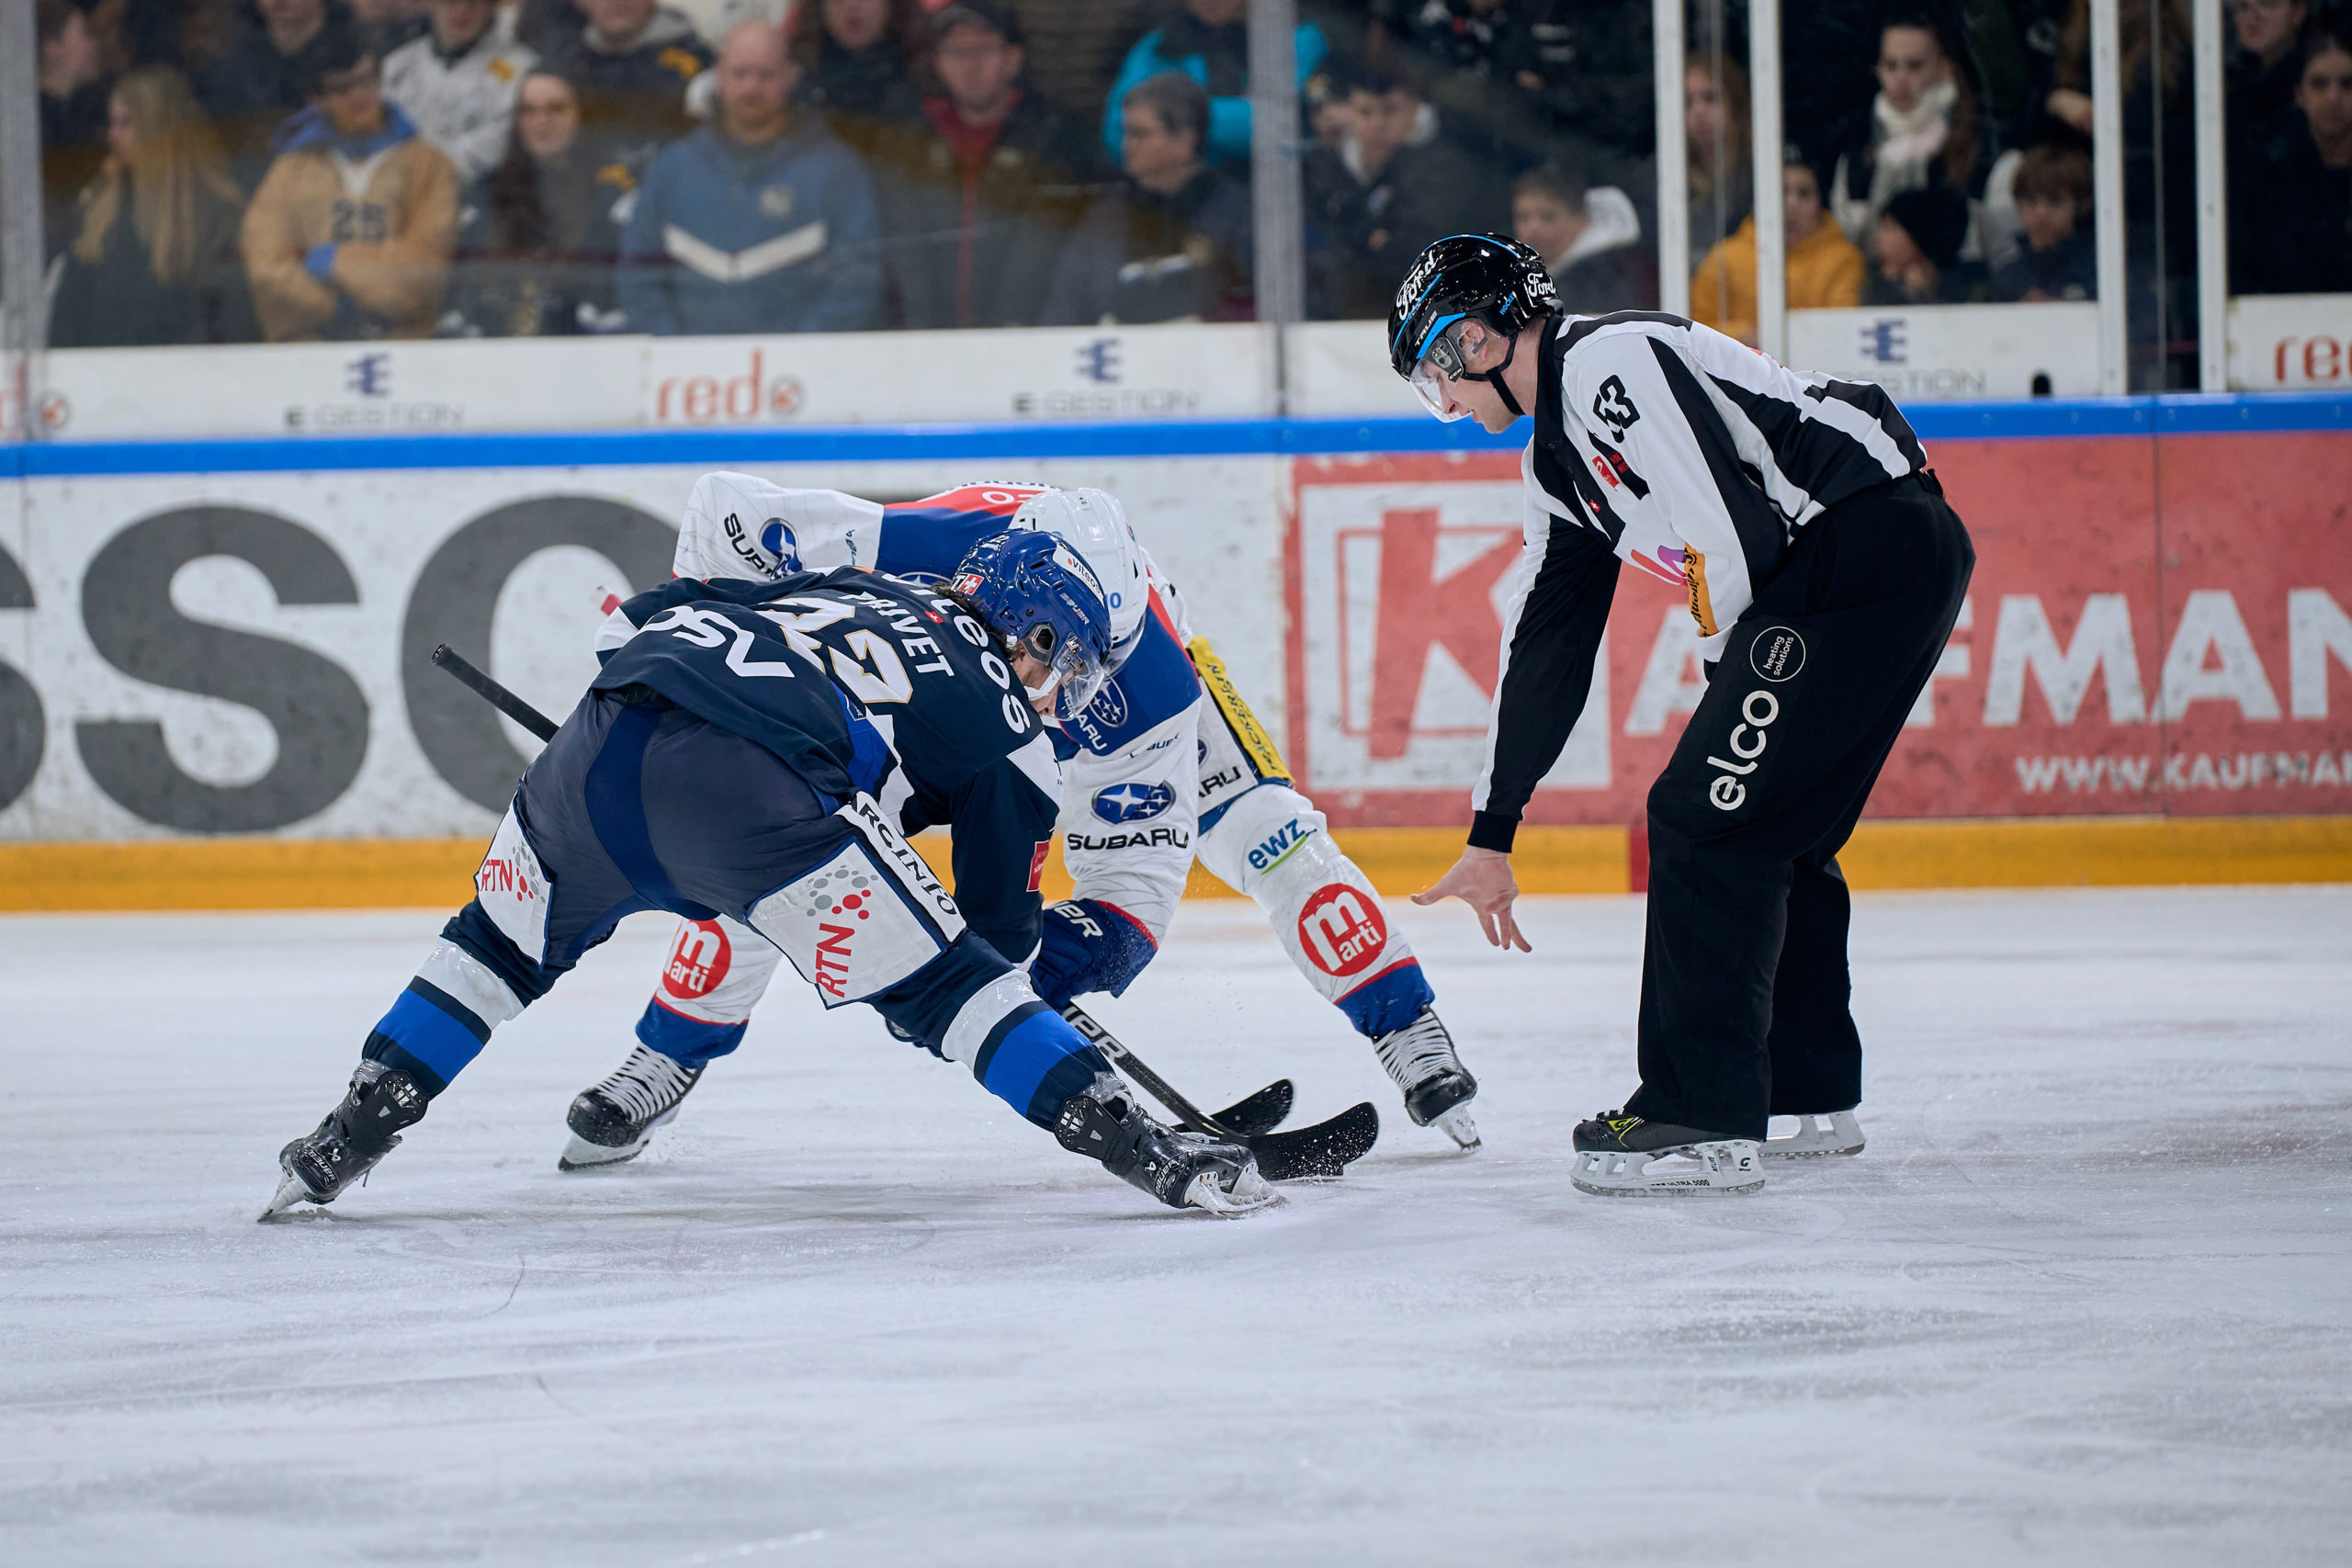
(1326, 1149)
(491, 692)
(1248, 1118)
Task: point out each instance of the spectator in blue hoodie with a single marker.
(1209, 42)
(760, 222)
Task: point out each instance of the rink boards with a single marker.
(219, 644)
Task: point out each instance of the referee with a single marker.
(1824, 573)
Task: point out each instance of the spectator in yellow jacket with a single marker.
(1825, 270)
(350, 234)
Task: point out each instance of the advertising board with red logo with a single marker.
(2156, 625)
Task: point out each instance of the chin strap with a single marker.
(1495, 379)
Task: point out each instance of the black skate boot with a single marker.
(365, 1127)
(615, 1120)
(1183, 1171)
(1618, 1155)
(1437, 1087)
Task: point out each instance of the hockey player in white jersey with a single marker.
(1152, 776)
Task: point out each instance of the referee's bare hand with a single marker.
(1482, 879)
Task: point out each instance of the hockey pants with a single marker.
(642, 805)
(1744, 984)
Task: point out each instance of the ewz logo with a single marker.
(370, 375)
(1276, 845)
(1134, 802)
(1099, 360)
(1883, 340)
(778, 540)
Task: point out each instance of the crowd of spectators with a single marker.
(285, 170)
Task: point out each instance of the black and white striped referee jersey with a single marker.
(1667, 444)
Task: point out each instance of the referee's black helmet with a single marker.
(1485, 276)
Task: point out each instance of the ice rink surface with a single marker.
(2088, 1297)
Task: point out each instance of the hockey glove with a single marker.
(1085, 945)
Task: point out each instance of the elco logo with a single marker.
(1132, 802)
(1342, 929)
(698, 960)
(1727, 794)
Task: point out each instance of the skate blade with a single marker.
(582, 1155)
(1842, 1135)
(1693, 1169)
(1456, 1124)
(1249, 1194)
(290, 1192)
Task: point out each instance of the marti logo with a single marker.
(699, 960)
(1342, 929)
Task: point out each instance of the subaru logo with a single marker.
(1883, 341)
(1110, 709)
(370, 375)
(778, 540)
(1132, 802)
(1099, 360)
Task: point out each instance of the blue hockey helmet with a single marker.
(1039, 594)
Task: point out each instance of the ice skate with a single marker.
(1183, 1171)
(615, 1120)
(1437, 1087)
(347, 1144)
(1818, 1134)
(1620, 1155)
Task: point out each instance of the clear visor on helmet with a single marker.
(1440, 363)
(1073, 675)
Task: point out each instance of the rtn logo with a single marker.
(1269, 850)
(1134, 802)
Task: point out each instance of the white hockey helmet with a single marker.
(1093, 523)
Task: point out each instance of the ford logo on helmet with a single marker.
(1132, 802)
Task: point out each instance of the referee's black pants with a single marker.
(1744, 987)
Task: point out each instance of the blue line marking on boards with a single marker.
(2039, 419)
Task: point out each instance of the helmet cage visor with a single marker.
(1075, 673)
(1439, 362)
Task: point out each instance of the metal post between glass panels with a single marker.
(1673, 159)
(2107, 197)
(2212, 204)
(20, 215)
(1277, 209)
(1764, 124)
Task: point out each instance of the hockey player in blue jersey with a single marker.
(1152, 776)
(753, 752)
